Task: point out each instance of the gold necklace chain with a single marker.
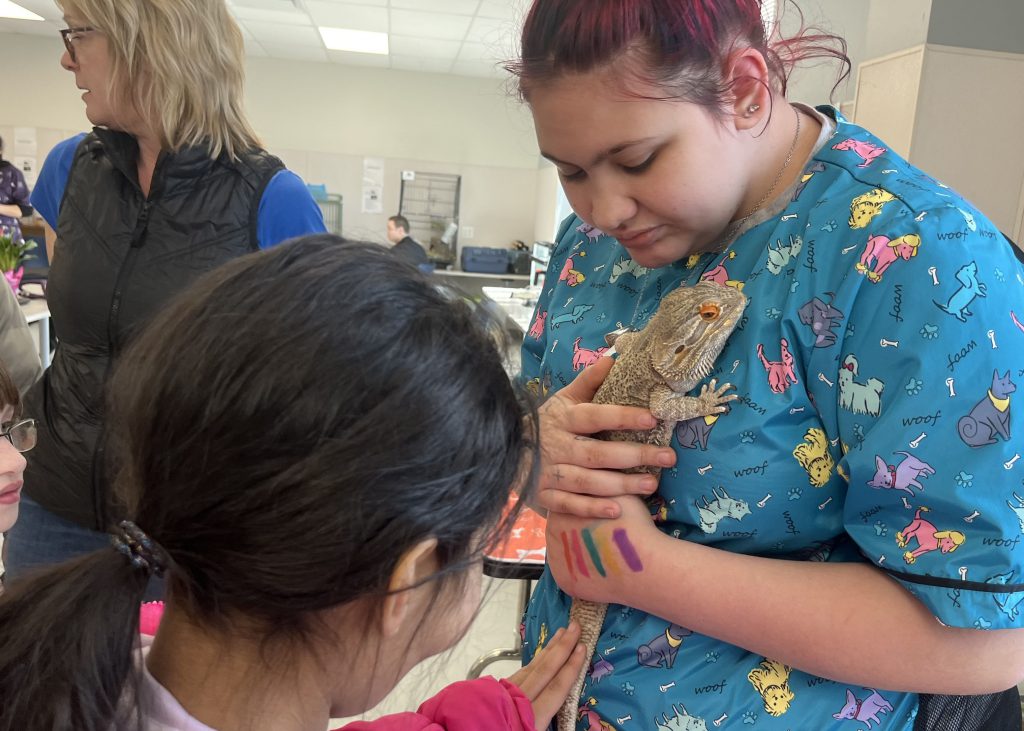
(735, 227)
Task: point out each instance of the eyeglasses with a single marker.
(21, 434)
(71, 36)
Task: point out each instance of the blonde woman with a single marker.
(170, 183)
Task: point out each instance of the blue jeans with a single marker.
(40, 539)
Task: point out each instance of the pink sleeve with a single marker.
(485, 704)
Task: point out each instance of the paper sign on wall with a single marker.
(373, 185)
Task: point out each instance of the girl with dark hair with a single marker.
(14, 202)
(17, 435)
(313, 446)
(798, 572)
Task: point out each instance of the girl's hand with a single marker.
(547, 680)
(601, 560)
(579, 473)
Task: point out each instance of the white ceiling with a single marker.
(465, 37)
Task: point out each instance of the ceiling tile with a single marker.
(293, 52)
(476, 52)
(31, 27)
(359, 59)
(296, 35)
(418, 63)
(347, 15)
(426, 47)
(505, 9)
(461, 7)
(46, 8)
(478, 68)
(429, 25)
(285, 17)
(492, 30)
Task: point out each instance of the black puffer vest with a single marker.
(121, 256)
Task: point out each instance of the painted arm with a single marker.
(847, 622)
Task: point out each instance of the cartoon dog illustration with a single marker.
(681, 720)
(817, 167)
(1018, 509)
(902, 477)
(719, 275)
(782, 254)
(867, 151)
(881, 251)
(537, 328)
(695, 431)
(990, 416)
(722, 507)
(600, 670)
(771, 680)
(574, 317)
(582, 357)
(970, 288)
(592, 233)
(864, 208)
(821, 317)
(780, 373)
(662, 650)
(860, 398)
(591, 717)
(1009, 604)
(813, 456)
(570, 275)
(626, 266)
(866, 710)
(929, 538)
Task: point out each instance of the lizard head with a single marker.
(689, 330)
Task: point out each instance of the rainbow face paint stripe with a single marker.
(626, 549)
(568, 556)
(595, 555)
(581, 563)
(604, 547)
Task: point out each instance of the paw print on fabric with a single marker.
(626, 612)
(851, 329)
(711, 656)
(628, 689)
(747, 437)
(773, 313)
(913, 386)
(674, 472)
(964, 480)
(881, 529)
(999, 274)
(750, 718)
(982, 623)
(929, 332)
(795, 493)
(601, 318)
(858, 431)
(830, 226)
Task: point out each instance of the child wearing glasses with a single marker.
(18, 435)
(317, 475)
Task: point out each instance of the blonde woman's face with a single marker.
(92, 67)
(12, 470)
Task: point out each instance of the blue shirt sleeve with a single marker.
(287, 210)
(53, 178)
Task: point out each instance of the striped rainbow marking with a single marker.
(610, 552)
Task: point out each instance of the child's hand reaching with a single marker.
(546, 681)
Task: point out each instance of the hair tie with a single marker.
(143, 552)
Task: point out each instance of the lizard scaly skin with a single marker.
(655, 368)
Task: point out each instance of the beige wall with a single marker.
(322, 119)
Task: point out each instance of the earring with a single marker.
(751, 109)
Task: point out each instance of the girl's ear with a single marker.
(748, 78)
(417, 564)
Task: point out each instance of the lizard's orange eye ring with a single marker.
(710, 311)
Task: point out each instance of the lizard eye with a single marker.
(710, 311)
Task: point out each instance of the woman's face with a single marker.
(92, 68)
(12, 470)
(665, 178)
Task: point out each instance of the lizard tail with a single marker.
(590, 616)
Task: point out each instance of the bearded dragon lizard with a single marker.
(656, 367)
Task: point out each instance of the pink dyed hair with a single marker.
(680, 46)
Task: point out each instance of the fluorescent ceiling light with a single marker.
(10, 10)
(358, 41)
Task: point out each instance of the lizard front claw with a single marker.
(715, 396)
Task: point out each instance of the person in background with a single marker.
(17, 348)
(318, 500)
(14, 198)
(171, 183)
(841, 545)
(405, 247)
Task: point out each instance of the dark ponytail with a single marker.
(285, 430)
